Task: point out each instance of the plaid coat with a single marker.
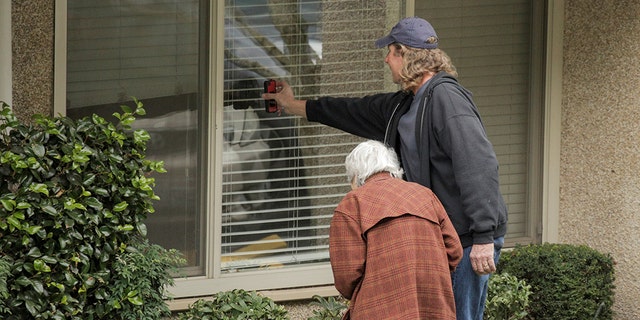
(392, 249)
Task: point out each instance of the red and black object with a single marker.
(270, 105)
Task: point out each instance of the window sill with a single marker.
(275, 295)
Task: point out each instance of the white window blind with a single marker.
(490, 44)
(283, 176)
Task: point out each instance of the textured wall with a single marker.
(600, 155)
(33, 27)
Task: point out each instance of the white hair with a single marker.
(371, 157)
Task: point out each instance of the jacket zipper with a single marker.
(386, 132)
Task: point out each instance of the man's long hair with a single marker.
(419, 61)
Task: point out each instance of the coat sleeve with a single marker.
(365, 117)
(451, 243)
(347, 250)
(450, 238)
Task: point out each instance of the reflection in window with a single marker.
(267, 217)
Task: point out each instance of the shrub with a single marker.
(5, 272)
(567, 281)
(73, 197)
(140, 277)
(235, 304)
(507, 299)
(330, 308)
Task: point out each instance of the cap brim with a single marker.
(384, 41)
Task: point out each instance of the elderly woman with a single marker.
(391, 243)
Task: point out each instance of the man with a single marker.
(391, 244)
(434, 126)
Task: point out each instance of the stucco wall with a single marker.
(600, 155)
(32, 54)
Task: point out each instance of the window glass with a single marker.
(283, 176)
(152, 50)
(269, 218)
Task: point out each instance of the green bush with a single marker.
(73, 198)
(330, 308)
(235, 305)
(567, 281)
(141, 275)
(507, 299)
(5, 272)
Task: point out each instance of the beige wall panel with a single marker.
(600, 155)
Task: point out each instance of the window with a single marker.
(248, 195)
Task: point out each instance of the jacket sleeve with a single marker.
(462, 136)
(366, 117)
(347, 252)
(451, 243)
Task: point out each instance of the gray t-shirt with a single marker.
(408, 145)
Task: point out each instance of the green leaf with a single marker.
(38, 150)
(41, 266)
(8, 204)
(101, 192)
(98, 119)
(18, 215)
(120, 206)
(49, 259)
(12, 221)
(90, 282)
(140, 136)
(50, 210)
(23, 281)
(33, 229)
(135, 300)
(23, 205)
(40, 188)
(32, 307)
(127, 120)
(125, 108)
(105, 231)
(38, 287)
(89, 179)
(94, 203)
(126, 227)
(34, 252)
(142, 228)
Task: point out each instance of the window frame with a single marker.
(553, 53)
(5, 53)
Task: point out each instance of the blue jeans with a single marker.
(470, 289)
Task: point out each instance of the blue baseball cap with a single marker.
(411, 32)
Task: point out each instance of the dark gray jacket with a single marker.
(457, 160)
